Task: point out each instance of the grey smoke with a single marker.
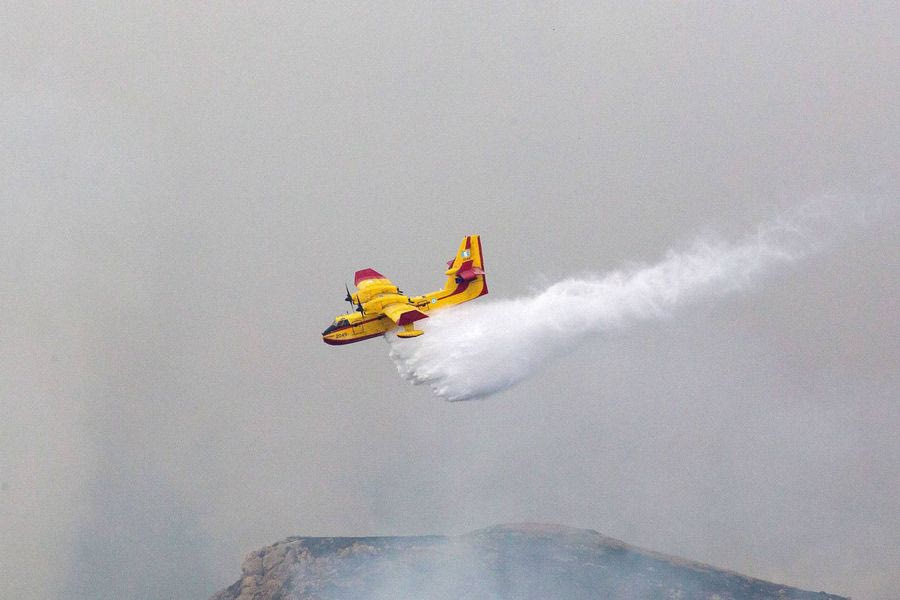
(185, 187)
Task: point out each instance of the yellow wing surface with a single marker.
(378, 295)
(370, 283)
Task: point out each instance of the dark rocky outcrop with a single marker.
(504, 562)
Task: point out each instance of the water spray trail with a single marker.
(481, 348)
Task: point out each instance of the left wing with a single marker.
(370, 283)
(403, 314)
(369, 275)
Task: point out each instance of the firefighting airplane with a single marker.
(380, 306)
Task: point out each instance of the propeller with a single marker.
(349, 298)
(358, 306)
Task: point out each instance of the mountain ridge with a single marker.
(514, 560)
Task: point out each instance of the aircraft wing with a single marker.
(369, 275)
(403, 314)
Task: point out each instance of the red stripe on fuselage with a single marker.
(349, 340)
(483, 279)
(460, 288)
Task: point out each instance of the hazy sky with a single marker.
(185, 189)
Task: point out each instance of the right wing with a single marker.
(403, 314)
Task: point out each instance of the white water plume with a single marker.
(483, 347)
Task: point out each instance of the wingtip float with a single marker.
(380, 307)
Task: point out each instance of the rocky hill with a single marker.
(504, 562)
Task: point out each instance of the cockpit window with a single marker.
(338, 324)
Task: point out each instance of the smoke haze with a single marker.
(185, 188)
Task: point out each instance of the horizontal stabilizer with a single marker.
(470, 273)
